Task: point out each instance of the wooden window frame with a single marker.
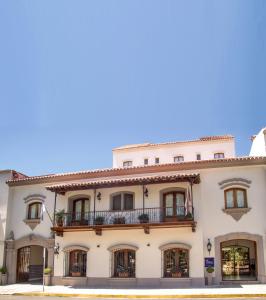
(37, 213)
(157, 160)
(165, 262)
(174, 193)
(122, 201)
(125, 256)
(235, 197)
(198, 156)
(83, 212)
(70, 265)
(146, 161)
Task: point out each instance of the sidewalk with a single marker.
(257, 290)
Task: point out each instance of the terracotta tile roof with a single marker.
(181, 166)
(61, 188)
(202, 139)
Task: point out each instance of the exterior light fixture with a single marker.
(146, 192)
(209, 246)
(99, 196)
(56, 249)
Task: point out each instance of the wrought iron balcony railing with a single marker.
(134, 216)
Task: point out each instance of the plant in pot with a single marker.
(143, 218)
(75, 271)
(3, 272)
(122, 272)
(119, 220)
(47, 276)
(59, 217)
(188, 216)
(209, 271)
(176, 273)
(99, 220)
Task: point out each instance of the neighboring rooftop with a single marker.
(201, 139)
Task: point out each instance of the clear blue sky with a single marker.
(78, 78)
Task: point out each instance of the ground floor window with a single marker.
(77, 263)
(176, 263)
(238, 260)
(124, 263)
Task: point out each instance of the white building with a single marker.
(144, 225)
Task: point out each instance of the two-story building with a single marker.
(148, 222)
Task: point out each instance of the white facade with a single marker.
(201, 149)
(81, 241)
(258, 147)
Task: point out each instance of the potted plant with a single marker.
(209, 271)
(120, 220)
(47, 276)
(143, 218)
(122, 272)
(189, 216)
(59, 216)
(3, 272)
(75, 271)
(176, 273)
(99, 220)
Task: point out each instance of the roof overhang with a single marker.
(193, 178)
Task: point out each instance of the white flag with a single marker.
(43, 210)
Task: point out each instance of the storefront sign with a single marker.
(209, 262)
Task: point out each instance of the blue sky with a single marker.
(78, 78)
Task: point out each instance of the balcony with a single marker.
(145, 218)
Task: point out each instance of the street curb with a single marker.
(193, 296)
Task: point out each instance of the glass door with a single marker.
(174, 205)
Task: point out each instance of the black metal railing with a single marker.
(134, 216)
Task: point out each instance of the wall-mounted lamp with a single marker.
(56, 249)
(146, 192)
(99, 196)
(209, 246)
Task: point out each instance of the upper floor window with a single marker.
(157, 160)
(179, 158)
(127, 163)
(34, 210)
(146, 161)
(218, 155)
(198, 156)
(81, 208)
(235, 198)
(122, 201)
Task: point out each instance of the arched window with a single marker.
(34, 210)
(176, 263)
(235, 198)
(124, 263)
(77, 263)
(122, 201)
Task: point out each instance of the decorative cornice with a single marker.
(234, 181)
(32, 197)
(75, 247)
(174, 245)
(122, 246)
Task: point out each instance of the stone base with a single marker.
(128, 282)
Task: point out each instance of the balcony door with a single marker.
(174, 206)
(81, 208)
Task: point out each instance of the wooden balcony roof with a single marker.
(125, 181)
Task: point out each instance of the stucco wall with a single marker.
(166, 153)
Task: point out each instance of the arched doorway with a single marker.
(238, 260)
(236, 241)
(30, 263)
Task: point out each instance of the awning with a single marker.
(62, 188)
